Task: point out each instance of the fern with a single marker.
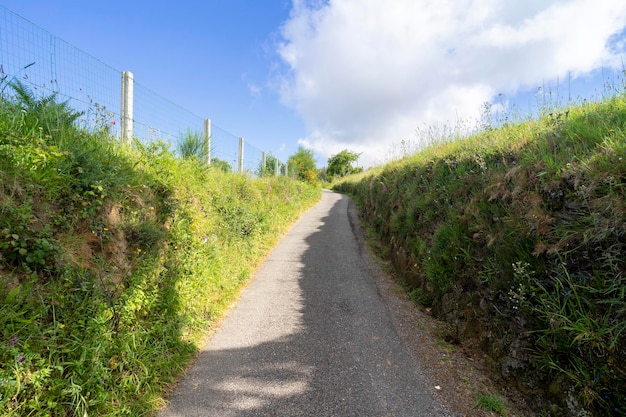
(44, 113)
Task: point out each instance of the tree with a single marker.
(302, 165)
(270, 166)
(221, 165)
(341, 164)
(321, 175)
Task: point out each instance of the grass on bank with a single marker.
(491, 403)
(517, 237)
(115, 259)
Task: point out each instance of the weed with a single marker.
(418, 296)
(491, 403)
(193, 145)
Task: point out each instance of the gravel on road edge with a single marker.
(458, 375)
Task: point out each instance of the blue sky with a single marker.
(364, 75)
(214, 58)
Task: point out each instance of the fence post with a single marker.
(240, 169)
(276, 167)
(207, 140)
(126, 132)
(286, 169)
(263, 162)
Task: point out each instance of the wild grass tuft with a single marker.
(492, 404)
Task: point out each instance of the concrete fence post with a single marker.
(240, 168)
(207, 140)
(263, 162)
(126, 128)
(276, 167)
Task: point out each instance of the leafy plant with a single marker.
(341, 164)
(301, 165)
(222, 165)
(55, 119)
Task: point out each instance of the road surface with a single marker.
(310, 336)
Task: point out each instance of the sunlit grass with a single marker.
(115, 261)
(521, 227)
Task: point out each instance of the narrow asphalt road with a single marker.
(310, 336)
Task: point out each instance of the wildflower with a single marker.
(61, 326)
(20, 358)
(14, 341)
(385, 189)
(112, 122)
(105, 229)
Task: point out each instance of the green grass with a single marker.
(115, 260)
(492, 404)
(518, 235)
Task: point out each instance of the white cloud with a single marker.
(363, 74)
(255, 90)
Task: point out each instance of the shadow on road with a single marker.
(322, 344)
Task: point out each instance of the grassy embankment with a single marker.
(516, 237)
(115, 260)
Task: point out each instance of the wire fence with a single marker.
(48, 64)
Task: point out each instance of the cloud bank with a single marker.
(364, 74)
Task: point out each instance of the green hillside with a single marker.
(115, 260)
(516, 237)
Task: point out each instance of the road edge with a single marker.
(456, 379)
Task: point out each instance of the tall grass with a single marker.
(517, 237)
(115, 259)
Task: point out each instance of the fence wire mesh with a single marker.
(48, 65)
(225, 146)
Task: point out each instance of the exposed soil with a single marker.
(459, 372)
